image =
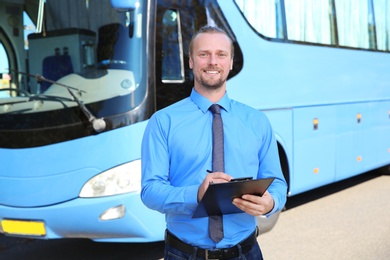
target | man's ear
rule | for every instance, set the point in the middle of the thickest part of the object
(190, 62)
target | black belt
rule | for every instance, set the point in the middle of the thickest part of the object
(224, 253)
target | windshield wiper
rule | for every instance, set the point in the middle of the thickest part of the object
(98, 124)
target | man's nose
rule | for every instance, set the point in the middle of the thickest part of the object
(213, 59)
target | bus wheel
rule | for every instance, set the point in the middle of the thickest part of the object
(266, 224)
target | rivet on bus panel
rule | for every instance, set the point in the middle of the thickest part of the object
(359, 118)
(316, 170)
(359, 158)
(315, 123)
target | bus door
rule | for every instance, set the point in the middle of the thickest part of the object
(176, 23)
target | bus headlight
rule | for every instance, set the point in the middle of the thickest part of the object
(121, 179)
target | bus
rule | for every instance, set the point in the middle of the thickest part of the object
(80, 79)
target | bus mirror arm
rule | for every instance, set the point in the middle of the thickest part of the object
(98, 124)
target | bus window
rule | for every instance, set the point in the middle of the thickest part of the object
(352, 23)
(29, 27)
(3, 59)
(172, 49)
(4, 77)
(310, 21)
(382, 22)
(265, 16)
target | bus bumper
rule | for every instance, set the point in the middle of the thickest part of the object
(81, 218)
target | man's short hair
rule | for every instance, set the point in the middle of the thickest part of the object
(210, 29)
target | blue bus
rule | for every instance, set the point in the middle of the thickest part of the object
(83, 77)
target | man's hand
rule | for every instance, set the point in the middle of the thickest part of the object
(255, 205)
(214, 177)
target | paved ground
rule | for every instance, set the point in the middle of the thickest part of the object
(353, 223)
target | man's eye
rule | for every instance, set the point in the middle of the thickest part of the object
(203, 54)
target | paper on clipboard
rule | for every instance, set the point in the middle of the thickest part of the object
(218, 197)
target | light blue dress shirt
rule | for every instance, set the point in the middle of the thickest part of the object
(176, 154)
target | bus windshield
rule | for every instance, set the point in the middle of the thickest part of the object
(85, 61)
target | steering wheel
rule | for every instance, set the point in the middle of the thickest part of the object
(107, 63)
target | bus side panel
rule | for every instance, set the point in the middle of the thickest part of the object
(363, 139)
(383, 129)
(314, 147)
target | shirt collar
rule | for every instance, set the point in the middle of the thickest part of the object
(203, 103)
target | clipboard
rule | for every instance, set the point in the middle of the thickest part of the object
(218, 197)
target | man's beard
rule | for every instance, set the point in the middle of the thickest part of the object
(211, 84)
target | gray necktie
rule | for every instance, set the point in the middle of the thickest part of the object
(215, 222)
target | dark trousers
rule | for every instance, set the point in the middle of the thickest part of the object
(172, 253)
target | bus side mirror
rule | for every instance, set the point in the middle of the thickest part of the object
(124, 5)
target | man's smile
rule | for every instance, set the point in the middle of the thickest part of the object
(211, 71)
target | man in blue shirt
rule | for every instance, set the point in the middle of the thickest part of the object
(177, 157)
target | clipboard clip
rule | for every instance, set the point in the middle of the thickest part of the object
(241, 179)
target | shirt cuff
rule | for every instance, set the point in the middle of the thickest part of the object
(274, 210)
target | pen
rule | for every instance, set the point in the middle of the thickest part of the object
(209, 172)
